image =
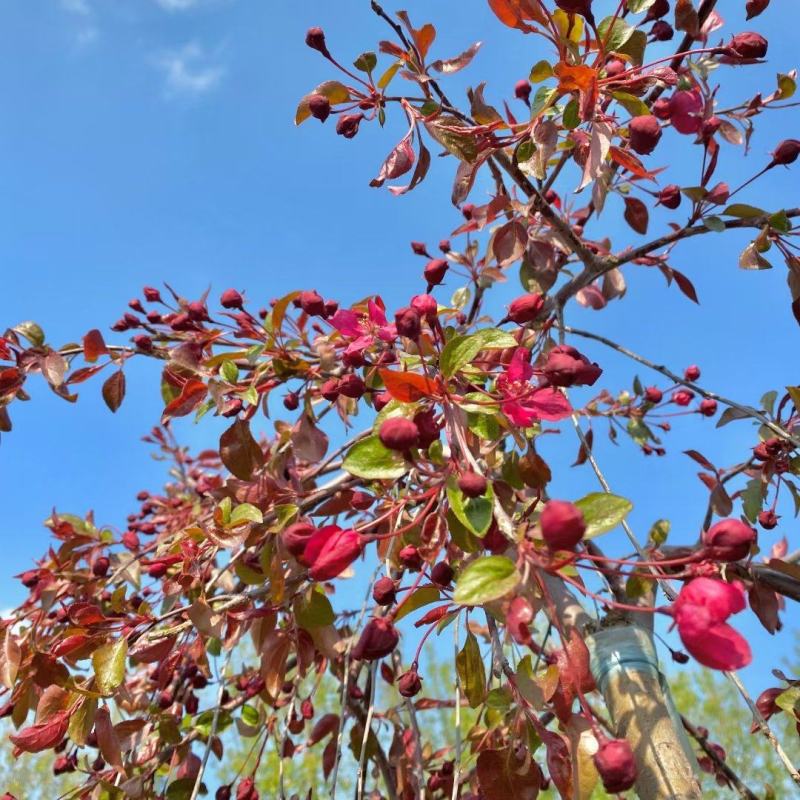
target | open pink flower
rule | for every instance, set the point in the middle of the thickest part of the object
(700, 612)
(524, 403)
(364, 329)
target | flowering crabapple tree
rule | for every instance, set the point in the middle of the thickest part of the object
(126, 657)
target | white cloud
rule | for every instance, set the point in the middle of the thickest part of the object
(175, 5)
(189, 71)
(76, 7)
(85, 31)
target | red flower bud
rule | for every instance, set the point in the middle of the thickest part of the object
(645, 133)
(247, 790)
(100, 566)
(428, 427)
(766, 702)
(409, 683)
(670, 196)
(408, 323)
(472, 484)
(291, 401)
(384, 592)
(768, 519)
(230, 298)
(708, 407)
(522, 90)
(377, 640)
(381, 400)
(352, 386)
(315, 39)
(330, 390)
(319, 106)
(151, 294)
(653, 395)
(719, 194)
(223, 793)
(425, 305)
(525, 308)
(565, 366)
(729, 540)
(562, 525)
(347, 125)
(755, 7)
(614, 67)
(686, 111)
(747, 46)
(785, 153)
(662, 31)
(682, 397)
(361, 501)
(339, 550)
(410, 558)
(444, 245)
(435, 270)
(143, 342)
(312, 304)
(616, 765)
(442, 574)
(296, 536)
(399, 433)
(130, 540)
(661, 108)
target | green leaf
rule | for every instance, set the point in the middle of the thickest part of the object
(637, 6)
(245, 512)
(461, 350)
(542, 99)
(180, 789)
(229, 371)
(486, 579)
(421, 597)
(485, 426)
(779, 221)
(632, 104)
(371, 460)
(471, 671)
(789, 700)
(315, 610)
(659, 532)
(571, 117)
(614, 32)
(714, 224)
(335, 92)
(474, 513)
(366, 62)
(541, 71)
(108, 663)
(32, 332)
(463, 537)
(787, 85)
(744, 211)
(250, 716)
(603, 512)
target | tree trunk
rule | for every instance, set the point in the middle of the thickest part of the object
(625, 667)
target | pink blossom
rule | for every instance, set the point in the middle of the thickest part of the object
(523, 403)
(364, 329)
(700, 612)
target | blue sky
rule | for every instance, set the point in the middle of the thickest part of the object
(146, 141)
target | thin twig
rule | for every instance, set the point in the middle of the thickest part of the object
(744, 410)
(362, 758)
(721, 765)
(457, 757)
(213, 731)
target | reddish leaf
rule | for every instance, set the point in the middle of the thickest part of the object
(629, 162)
(397, 163)
(700, 459)
(83, 374)
(187, 401)
(114, 390)
(765, 604)
(408, 387)
(514, 13)
(451, 65)
(685, 285)
(107, 739)
(93, 345)
(636, 214)
(508, 773)
(36, 738)
(239, 451)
